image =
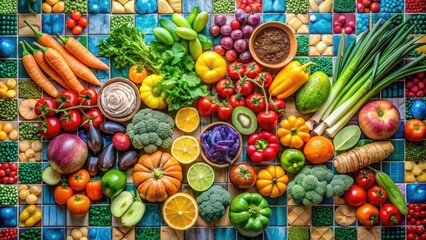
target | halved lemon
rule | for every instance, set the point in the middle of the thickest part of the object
(187, 119)
(180, 211)
(186, 149)
(200, 177)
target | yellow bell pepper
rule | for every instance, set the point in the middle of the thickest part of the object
(293, 132)
(211, 67)
(289, 79)
(30, 216)
(150, 94)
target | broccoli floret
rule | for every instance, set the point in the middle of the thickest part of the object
(164, 130)
(299, 178)
(151, 125)
(167, 142)
(321, 188)
(309, 182)
(158, 142)
(212, 203)
(290, 187)
(153, 136)
(297, 191)
(150, 148)
(306, 170)
(340, 184)
(322, 173)
(313, 197)
(161, 117)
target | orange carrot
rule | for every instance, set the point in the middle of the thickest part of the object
(78, 68)
(82, 53)
(57, 62)
(35, 72)
(39, 57)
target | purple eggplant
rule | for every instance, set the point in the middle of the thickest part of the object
(128, 159)
(107, 158)
(92, 165)
(111, 128)
(94, 139)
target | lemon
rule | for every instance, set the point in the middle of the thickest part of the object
(180, 211)
(3, 136)
(187, 119)
(186, 149)
(200, 177)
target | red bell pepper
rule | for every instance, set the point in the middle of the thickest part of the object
(262, 146)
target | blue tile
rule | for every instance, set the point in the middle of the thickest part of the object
(48, 197)
(282, 200)
(395, 170)
(241, 237)
(123, 72)
(147, 23)
(23, 6)
(279, 216)
(320, 23)
(362, 22)
(8, 47)
(199, 233)
(54, 233)
(276, 233)
(99, 6)
(93, 42)
(22, 73)
(8, 217)
(268, 17)
(398, 153)
(100, 233)
(99, 24)
(336, 41)
(274, 6)
(204, 5)
(54, 216)
(224, 233)
(29, 40)
(53, 23)
(146, 6)
(100, 73)
(151, 218)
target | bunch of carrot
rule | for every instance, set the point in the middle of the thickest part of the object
(63, 63)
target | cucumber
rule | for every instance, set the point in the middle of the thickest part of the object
(185, 44)
(170, 27)
(195, 48)
(206, 42)
(162, 35)
(186, 33)
(394, 194)
(180, 20)
(193, 14)
(200, 21)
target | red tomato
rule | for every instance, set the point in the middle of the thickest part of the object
(67, 99)
(264, 78)
(77, 30)
(121, 141)
(235, 70)
(267, 121)
(76, 15)
(50, 128)
(88, 97)
(355, 196)
(367, 214)
(377, 195)
(96, 117)
(252, 69)
(225, 88)
(389, 215)
(414, 130)
(280, 106)
(71, 23)
(42, 105)
(236, 100)
(206, 106)
(83, 22)
(245, 89)
(256, 102)
(374, 7)
(243, 175)
(235, 24)
(224, 112)
(70, 120)
(365, 178)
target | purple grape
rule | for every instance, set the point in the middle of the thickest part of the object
(240, 45)
(247, 31)
(225, 30)
(220, 20)
(214, 30)
(253, 19)
(240, 15)
(236, 34)
(245, 56)
(227, 42)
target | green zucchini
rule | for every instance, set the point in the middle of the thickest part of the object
(394, 194)
(170, 27)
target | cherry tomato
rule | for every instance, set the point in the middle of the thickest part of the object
(414, 130)
(71, 23)
(267, 120)
(78, 180)
(243, 175)
(41, 106)
(236, 100)
(235, 70)
(224, 112)
(280, 106)
(67, 99)
(355, 196)
(265, 78)
(365, 178)
(50, 128)
(76, 15)
(252, 69)
(121, 141)
(367, 214)
(256, 102)
(235, 24)
(225, 88)
(377, 195)
(206, 106)
(389, 215)
(245, 88)
(2, 173)
(88, 97)
(96, 117)
(62, 193)
(77, 30)
(83, 22)
(13, 166)
(70, 120)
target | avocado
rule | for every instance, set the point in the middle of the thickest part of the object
(244, 120)
(313, 93)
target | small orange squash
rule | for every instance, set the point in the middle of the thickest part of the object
(157, 176)
(272, 181)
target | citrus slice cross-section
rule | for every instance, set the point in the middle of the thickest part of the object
(187, 119)
(186, 149)
(180, 211)
(200, 176)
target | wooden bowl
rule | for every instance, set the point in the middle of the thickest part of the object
(286, 29)
(232, 160)
(138, 99)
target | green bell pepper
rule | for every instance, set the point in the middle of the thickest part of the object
(113, 182)
(249, 214)
(292, 160)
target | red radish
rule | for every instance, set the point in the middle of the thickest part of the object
(411, 94)
(409, 84)
(366, 3)
(235, 24)
(421, 75)
(342, 19)
(420, 94)
(375, 7)
(219, 49)
(348, 30)
(337, 29)
(351, 24)
(337, 23)
(231, 55)
(415, 80)
(414, 89)
(421, 85)
(360, 7)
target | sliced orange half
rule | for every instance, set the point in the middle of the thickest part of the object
(180, 211)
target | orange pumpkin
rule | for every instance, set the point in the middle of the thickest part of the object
(272, 181)
(157, 176)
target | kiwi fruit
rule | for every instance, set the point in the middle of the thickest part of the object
(244, 120)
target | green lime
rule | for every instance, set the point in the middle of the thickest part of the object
(200, 176)
(347, 138)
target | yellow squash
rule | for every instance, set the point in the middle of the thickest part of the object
(293, 132)
(150, 94)
(289, 79)
(272, 181)
(30, 216)
(211, 67)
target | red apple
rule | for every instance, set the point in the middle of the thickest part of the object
(379, 120)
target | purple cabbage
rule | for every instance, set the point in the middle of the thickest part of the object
(220, 144)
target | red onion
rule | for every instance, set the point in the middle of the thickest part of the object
(67, 153)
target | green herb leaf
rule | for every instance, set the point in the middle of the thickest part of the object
(347, 138)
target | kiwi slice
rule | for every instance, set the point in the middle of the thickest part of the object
(244, 120)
